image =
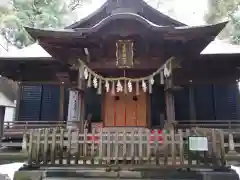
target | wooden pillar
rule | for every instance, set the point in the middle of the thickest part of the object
(81, 113)
(61, 103)
(192, 107)
(169, 96)
(170, 107)
(169, 100)
(19, 94)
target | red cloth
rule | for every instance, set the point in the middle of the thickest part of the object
(159, 136)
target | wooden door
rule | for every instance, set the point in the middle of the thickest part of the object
(125, 110)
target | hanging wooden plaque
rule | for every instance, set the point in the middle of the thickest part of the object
(124, 53)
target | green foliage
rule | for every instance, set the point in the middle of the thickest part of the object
(33, 13)
(226, 9)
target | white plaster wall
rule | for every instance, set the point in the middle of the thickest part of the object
(4, 101)
(9, 114)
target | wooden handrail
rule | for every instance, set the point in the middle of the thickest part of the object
(222, 124)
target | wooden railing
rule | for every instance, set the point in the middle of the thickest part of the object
(68, 146)
(220, 124)
(17, 128)
(59, 146)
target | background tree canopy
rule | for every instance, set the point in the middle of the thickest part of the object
(58, 13)
(34, 13)
(226, 10)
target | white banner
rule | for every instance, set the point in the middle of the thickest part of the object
(74, 106)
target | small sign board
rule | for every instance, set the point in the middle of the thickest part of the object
(198, 143)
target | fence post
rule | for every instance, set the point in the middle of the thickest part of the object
(231, 145)
(45, 156)
(116, 147)
(181, 146)
(38, 146)
(221, 134)
(53, 150)
(100, 151)
(24, 142)
(30, 147)
(69, 145)
(61, 146)
(173, 146)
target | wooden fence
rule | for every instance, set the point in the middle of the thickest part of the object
(137, 146)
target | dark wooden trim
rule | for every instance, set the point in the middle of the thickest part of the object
(103, 105)
(148, 113)
(82, 109)
(192, 107)
(170, 106)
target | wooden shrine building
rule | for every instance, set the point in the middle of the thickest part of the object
(131, 66)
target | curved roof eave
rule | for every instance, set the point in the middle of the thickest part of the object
(95, 13)
(178, 23)
(81, 32)
(105, 5)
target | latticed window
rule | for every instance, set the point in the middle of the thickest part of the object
(124, 53)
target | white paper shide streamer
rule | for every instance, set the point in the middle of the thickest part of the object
(121, 84)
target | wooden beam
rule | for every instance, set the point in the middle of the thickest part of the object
(139, 65)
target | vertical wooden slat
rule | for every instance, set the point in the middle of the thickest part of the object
(116, 147)
(53, 150)
(85, 144)
(61, 146)
(69, 145)
(173, 150)
(93, 146)
(100, 146)
(156, 146)
(124, 138)
(166, 145)
(38, 143)
(24, 142)
(181, 147)
(214, 142)
(132, 146)
(108, 147)
(149, 146)
(189, 152)
(231, 144)
(221, 134)
(140, 144)
(30, 148)
(45, 158)
(77, 155)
